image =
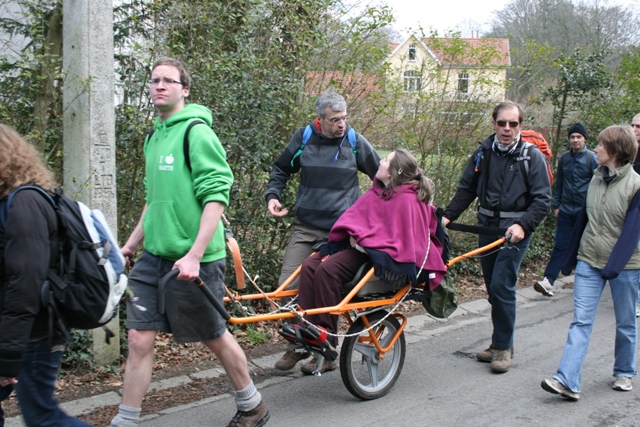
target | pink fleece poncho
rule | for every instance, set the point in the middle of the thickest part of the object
(398, 227)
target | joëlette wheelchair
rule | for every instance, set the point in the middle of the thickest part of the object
(373, 349)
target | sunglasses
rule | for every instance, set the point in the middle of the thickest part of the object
(503, 123)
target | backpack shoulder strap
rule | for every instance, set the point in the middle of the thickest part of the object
(351, 136)
(185, 143)
(305, 138)
(6, 202)
(524, 156)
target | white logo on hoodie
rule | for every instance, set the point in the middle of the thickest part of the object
(168, 160)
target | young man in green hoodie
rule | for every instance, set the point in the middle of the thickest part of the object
(181, 228)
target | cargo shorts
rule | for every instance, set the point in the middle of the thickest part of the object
(189, 315)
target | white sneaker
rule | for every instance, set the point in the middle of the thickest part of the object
(544, 287)
(638, 311)
(622, 384)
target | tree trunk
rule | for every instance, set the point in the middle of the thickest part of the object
(48, 70)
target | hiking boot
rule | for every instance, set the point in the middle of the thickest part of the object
(256, 417)
(556, 387)
(544, 287)
(487, 355)
(290, 358)
(622, 384)
(310, 366)
(501, 360)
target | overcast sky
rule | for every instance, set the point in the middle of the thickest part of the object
(447, 14)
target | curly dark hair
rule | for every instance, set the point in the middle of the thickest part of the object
(21, 164)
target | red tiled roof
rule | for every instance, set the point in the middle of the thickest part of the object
(497, 51)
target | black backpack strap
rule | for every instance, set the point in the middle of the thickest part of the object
(185, 144)
(6, 202)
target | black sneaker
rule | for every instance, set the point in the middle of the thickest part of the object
(318, 340)
(256, 417)
(291, 332)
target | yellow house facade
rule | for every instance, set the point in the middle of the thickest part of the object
(452, 69)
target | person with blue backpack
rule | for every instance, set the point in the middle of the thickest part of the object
(31, 348)
(328, 154)
(181, 229)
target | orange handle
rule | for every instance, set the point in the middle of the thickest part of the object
(237, 262)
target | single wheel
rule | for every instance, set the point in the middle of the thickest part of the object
(363, 373)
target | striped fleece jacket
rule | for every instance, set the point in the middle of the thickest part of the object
(328, 175)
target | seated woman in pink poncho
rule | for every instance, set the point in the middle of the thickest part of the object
(391, 225)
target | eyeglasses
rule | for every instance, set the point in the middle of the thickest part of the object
(335, 120)
(156, 82)
(633, 125)
(503, 123)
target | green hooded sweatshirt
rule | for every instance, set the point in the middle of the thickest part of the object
(176, 196)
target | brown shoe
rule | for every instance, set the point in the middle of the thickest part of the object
(256, 417)
(487, 354)
(501, 360)
(309, 367)
(289, 359)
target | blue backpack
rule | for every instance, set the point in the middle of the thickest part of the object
(351, 136)
(84, 288)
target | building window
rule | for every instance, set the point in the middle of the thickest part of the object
(463, 83)
(412, 53)
(412, 80)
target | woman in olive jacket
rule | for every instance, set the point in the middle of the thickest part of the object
(604, 248)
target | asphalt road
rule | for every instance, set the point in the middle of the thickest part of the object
(442, 384)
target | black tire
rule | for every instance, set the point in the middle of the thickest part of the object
(363, 374)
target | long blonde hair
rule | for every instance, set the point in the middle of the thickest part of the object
(403, 169)
(20, 163)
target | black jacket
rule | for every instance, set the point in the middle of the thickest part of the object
(28, 246)
(575, 171)
(520, 192)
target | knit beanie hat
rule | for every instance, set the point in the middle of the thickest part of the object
(578, 128)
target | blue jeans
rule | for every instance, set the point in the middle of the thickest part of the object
(36, 383)
(500, 271)
(586, 297)
(564, 227)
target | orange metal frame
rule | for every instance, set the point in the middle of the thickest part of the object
(345, 306)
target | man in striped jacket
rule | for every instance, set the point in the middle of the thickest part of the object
(328, 165)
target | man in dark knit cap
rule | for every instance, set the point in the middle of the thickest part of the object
(575, 169)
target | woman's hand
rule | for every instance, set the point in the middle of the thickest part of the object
(5, 381)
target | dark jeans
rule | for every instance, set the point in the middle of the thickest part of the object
(500, 271)
(4, 393)
(36, 384)
(564, 228)
(321, 284)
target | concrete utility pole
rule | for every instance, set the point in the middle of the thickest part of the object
(89, 122)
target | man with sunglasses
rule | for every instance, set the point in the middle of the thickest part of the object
(328, 167)
(509, 197)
